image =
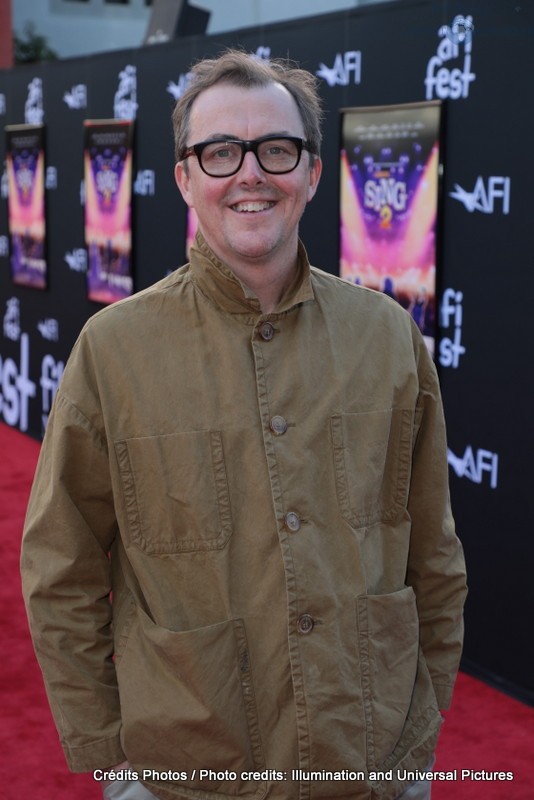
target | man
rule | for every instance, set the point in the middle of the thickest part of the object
(250, 458)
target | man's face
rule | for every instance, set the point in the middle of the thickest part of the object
(267, 231)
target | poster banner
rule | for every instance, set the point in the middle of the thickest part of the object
(25, 167)
(191, 230)
(389, 177)
(108, 208)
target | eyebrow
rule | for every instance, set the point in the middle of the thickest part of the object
(274, 134)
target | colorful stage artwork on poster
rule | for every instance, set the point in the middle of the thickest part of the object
(389, 179)
(108, 209)
(25, 167)
(191, 230)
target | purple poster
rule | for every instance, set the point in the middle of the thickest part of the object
(389, 205)
(26, 204)
(108, 200)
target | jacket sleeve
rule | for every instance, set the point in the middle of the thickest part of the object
(70, 525)
(436, 567)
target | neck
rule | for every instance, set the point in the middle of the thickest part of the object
(268, 276)
(268, 282)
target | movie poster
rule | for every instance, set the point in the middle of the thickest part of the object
(389, 176)
(108, 209)
(191, 231)
(25, 169)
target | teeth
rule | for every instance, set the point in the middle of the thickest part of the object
(252, 206)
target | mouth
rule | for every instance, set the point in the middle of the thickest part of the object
(252, 207)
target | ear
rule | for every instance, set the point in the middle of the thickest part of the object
(314, 173)
(183, 181)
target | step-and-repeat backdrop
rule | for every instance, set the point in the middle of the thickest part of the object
(477, 58)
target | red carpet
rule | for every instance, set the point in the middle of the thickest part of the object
(485, 731)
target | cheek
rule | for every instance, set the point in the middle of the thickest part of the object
(303, 191)
(197, 200)
(209, 196)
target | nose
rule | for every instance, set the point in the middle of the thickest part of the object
(251, 171)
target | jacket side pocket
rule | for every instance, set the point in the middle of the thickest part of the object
(388, 638)
(187, 702)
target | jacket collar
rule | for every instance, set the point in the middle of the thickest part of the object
(218, 283)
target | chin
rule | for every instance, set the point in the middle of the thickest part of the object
(253, 250)
(255, 254)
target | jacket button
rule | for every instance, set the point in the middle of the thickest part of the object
(292, 521)
(278, 425)
(267, 331)
(305, 624)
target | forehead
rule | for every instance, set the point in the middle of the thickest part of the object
(244, 113)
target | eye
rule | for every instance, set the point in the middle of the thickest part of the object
(277, 150)
(221, 151)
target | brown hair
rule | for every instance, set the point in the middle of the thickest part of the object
(238, 68)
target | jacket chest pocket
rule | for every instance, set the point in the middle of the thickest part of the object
(372, 462)
(175, 491)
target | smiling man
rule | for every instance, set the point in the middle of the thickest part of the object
(239, 561)
(249, 215)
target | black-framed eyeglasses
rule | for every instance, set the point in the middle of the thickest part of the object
(220, 158)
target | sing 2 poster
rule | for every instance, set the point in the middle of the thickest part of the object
(108, 209)
(25, 167)
(389, 194)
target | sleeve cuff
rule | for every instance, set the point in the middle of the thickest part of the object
(97, 755)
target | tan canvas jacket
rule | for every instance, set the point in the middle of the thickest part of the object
(266, 498)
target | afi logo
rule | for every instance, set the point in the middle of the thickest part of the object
(51, 374)
(177, 89)
(461, 30)
(263, 53)
(125, 102)
(473, 465)
(450, 83)
(49, 329)
(77, 97)
(77, 260)
(145, 182)
(345, 65)
(482, 198)
(51, 178)
(451, 312)
(16, 387)
(33, 108)
(12, 319)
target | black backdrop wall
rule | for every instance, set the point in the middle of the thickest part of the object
(379, 54)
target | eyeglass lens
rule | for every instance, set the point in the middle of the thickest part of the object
(274, 155)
